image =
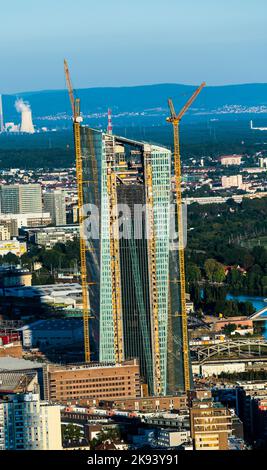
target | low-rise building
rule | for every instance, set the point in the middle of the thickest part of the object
(243, 324)
(14, 276)
(49, 236)
(52, 332)
(233, 181)
(12, 246)
(4, 233)
(14, 222)
(172, 438)
(13, 349)
(63, 295)
(96, 380)
(149, 404)
(231, 159)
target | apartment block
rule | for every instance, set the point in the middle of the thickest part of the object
(210, 427)
(29, 424)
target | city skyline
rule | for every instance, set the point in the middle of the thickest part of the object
(183, 43)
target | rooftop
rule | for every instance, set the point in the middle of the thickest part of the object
(15, 382)
(230, 156)
(54, 324)
(13, 364)
(53, 290)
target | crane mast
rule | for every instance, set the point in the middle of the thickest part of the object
(175, 120)
(69, 86)
(75, 104)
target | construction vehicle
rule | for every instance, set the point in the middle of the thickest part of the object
(77, 119)
(175, 120)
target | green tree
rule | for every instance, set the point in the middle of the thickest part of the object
(10, 258)
(70, 432)
(193, 273)
(228, 329)
(214, 270)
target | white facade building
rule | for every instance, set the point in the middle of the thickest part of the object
(231, 159)
(27, 423)
(232, 181)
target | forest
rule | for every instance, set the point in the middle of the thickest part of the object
(217, 260)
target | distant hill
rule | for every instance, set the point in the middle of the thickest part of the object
(139, 99)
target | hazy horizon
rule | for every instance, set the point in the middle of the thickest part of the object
(118, 43)
(21, 92)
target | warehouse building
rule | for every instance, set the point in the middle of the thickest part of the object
(52, 332)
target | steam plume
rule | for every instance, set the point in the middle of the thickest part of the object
(21, 106)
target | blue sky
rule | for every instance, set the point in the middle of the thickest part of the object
(131, 42)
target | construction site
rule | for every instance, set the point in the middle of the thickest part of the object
(133, 277)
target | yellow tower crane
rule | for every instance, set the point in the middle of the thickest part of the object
(75, 105)
(175, 120)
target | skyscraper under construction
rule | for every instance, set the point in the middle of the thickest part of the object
(133, 265)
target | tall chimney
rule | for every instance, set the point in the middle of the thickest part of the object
(2, 127)
(109, 122)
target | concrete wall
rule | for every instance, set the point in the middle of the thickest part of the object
(209, 369)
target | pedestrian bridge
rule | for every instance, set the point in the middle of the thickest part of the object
(260, 313)
(231, 348)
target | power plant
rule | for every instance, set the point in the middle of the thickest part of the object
(133, 286)
(26, 116)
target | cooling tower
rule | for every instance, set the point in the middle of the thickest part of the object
(26, 122)
(26, 116)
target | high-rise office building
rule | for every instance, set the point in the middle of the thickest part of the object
(55, 204)
(21, 198)
(132, 267)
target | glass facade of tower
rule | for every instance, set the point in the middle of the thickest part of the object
(135, 283)
(161, 168)
(92, 150)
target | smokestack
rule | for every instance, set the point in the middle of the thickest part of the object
(109, 122)
(26, 116)
(2, 127)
